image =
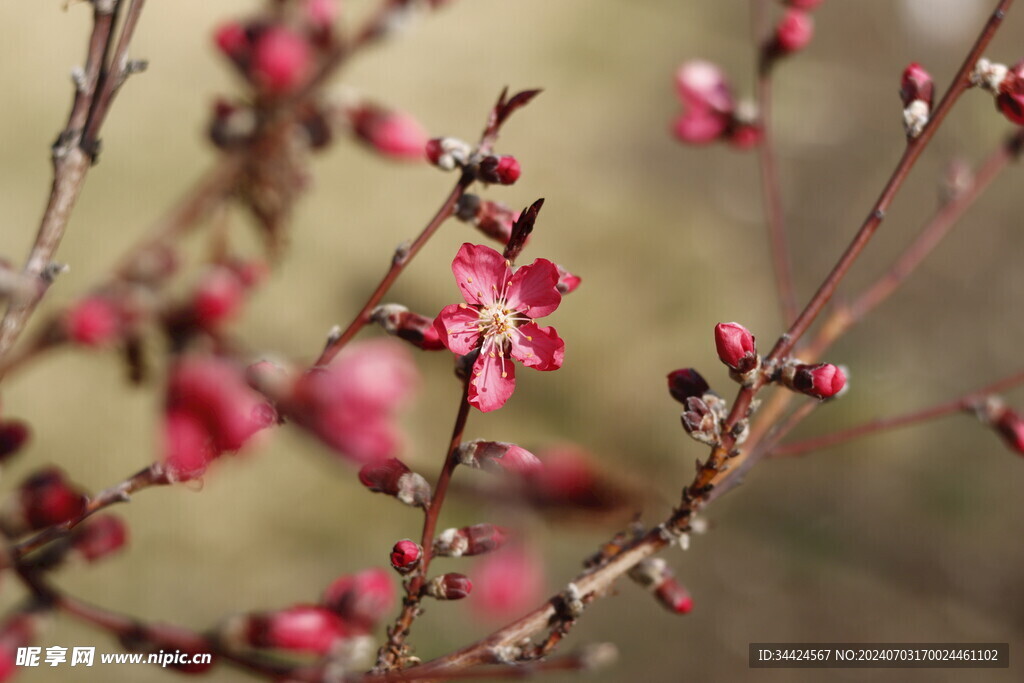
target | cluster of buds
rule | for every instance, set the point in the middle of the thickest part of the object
(994, 412)
(469, 540)
(735, 346)
(210, 410)
(391, 477)
(498, 455)
(391, 133)
(704, 411)
(449, 153)
(655, 575)
(819, 380)
(449, 587)
(44, 499)
(710, 112)
(406, 556)
(399, 321)
(351, 404)
(794, 31)
(917, 91)
(1006, 84)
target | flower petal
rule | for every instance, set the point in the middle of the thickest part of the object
(538, 347)
(456, 325)
(481, 273)
(494, 380)
(534, 289)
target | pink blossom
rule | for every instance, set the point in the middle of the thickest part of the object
(702, 85)
(93, 321)
(507, 583)
(794, 31)
(498, 319)
(281, 60)
(392, 133)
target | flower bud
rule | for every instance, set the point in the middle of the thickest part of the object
(702, 85)
(686, 383)
(567, 282)
(399, 321)
(320, 14)
(794, 32)
(449, 587)
(47, 498)
(303, 628)
(448, 153)
(1010, 96)
(916, 84)
(699, 126)
(821, 380)
(498, 454)
(507, 583)
(391, 133)
(735, 346)
(218, 297)
(281, 61)
(1010, 427)
(655, 575)
(805, 5)
(188, 448)
(100, 536)
(674, 596)
(393, 478)
(232, 40)
(13, 436)
(405, 556)
(362, 599)
(93, 321)
(503, 170)
(700, 422)
(470, 540)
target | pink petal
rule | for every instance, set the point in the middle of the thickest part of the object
(456, 325)
(494, 380)
(699, 126)
(538, 347)
(534, 289)
(480, 272)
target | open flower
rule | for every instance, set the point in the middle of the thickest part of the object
(498, 319)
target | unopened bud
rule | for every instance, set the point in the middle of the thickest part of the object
(916, 84)
(686, 383)
(13, 435)
(363, 598)
(405, 556)
(506, 456)
(399, 321)
(393, 478)
(449, 587)
(821, 380)
(793, 32)
(470, 540)
(47, 498)
(93, 321)
(1010, 97)
(503, 170)
(99, 537)
(673, 596)
(735, 346)
(567, 282)
(448, 153)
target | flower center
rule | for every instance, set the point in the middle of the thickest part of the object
(496, 322)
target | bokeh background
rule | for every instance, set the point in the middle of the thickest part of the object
(910, 536)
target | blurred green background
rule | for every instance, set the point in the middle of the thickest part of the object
(911, 536)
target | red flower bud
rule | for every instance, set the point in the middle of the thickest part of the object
(434, 150)
(505, 456)
(822, 380)
(470, 540)
(188, 447)
(1010, 99)
(303, 628)
(362, 599)
(674, 596)
(218, 297)
(93, 321)
(793, 32)
(699, 126)
(232, 40)
(745, 135)
(414, 328)
(567, 282)
(916, 84)
(48, 498)
(391, 133)
(735, 345)
(405, 556)
(393, 478)
(449, 587)
(13, 435)
(503, 170)
(100, 537)
(702, 86)
(1011, 428)
(281, 61)
(686, 383)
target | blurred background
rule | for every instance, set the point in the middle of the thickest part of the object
(910, 536)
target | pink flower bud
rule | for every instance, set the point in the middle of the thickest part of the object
(1010, 427)
(414, 328)
(391, 133)
(507, 583)
(916, 84)
(188, 447)
(1010, 99)
(100, 536)
(13, 435)
(93, 321)
(794, 32)
(822, 380)
(745, 136)
(218, 297)
(393, 478)
(686, 383)
(498, 455)
(449, 587)
(493, 219)
(503, 170)
(702, 86)
(405, 556)
(567, 282)
(303, 628)
(362, 599)
(470, 540)
(674, 596)
(735, 346)
(435, 150)
(47, 498)
(321, 14)
(232, 40)
(699, 126)
(281, 61)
